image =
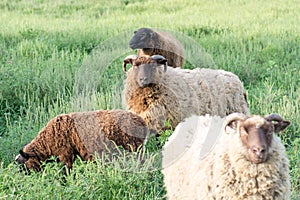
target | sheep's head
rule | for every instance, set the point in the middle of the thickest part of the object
(147, 69)
(256, 133)
(27, 161)
(143, 39)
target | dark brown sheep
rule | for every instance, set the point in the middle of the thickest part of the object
(84, 134)
(150, 42)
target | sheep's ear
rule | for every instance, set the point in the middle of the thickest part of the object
(23, 154)
(279, 123)
(280, 126)
(129, 59)
(160, 60)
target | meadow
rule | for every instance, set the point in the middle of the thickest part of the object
(62, 56)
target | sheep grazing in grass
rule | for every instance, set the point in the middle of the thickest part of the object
(236, 158)
(150, 42)
(158, 93)
(84, 134)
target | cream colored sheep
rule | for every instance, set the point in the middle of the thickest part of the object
(158, 93)
(236, 158)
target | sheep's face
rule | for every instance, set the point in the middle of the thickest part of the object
(256, 134)
(21, 158)
(147, 70)
(143, 39)
(146, 74)
(27, 162)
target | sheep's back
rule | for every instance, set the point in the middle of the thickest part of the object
(97, 130)
(206, 91)
(166, 45)
(124, 128)
(171, 44)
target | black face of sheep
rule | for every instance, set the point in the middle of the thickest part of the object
(24, 161)
(142, 39)
(21, 158)
(256, 134)
(145, 68)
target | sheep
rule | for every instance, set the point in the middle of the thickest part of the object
(84, 134)
(244, 160)
(150, 42)
(159, 93)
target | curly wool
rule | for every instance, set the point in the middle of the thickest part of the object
(85, 134)
(226, 173)
(179, 93)
(123, 128)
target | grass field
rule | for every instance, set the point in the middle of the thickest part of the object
(65, 55)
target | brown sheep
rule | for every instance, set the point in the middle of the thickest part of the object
(150, 42)
(84, 134)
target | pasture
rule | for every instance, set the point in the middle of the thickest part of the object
(62, 56)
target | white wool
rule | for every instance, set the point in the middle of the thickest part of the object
(210, 163)
(181, 93)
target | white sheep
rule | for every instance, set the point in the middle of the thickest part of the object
(84, 134)
(236, 158)
(158, 93)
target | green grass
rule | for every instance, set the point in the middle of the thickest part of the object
(62, 56)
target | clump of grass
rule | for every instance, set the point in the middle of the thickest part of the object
(120, 178)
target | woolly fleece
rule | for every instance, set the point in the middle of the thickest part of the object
(223, 173)
(178, 93)
(84, 134)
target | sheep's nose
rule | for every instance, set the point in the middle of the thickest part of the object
(259, 151)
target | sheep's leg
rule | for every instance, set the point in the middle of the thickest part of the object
(80, 149)
(67, 159)
(65, 171)
(85, 155)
